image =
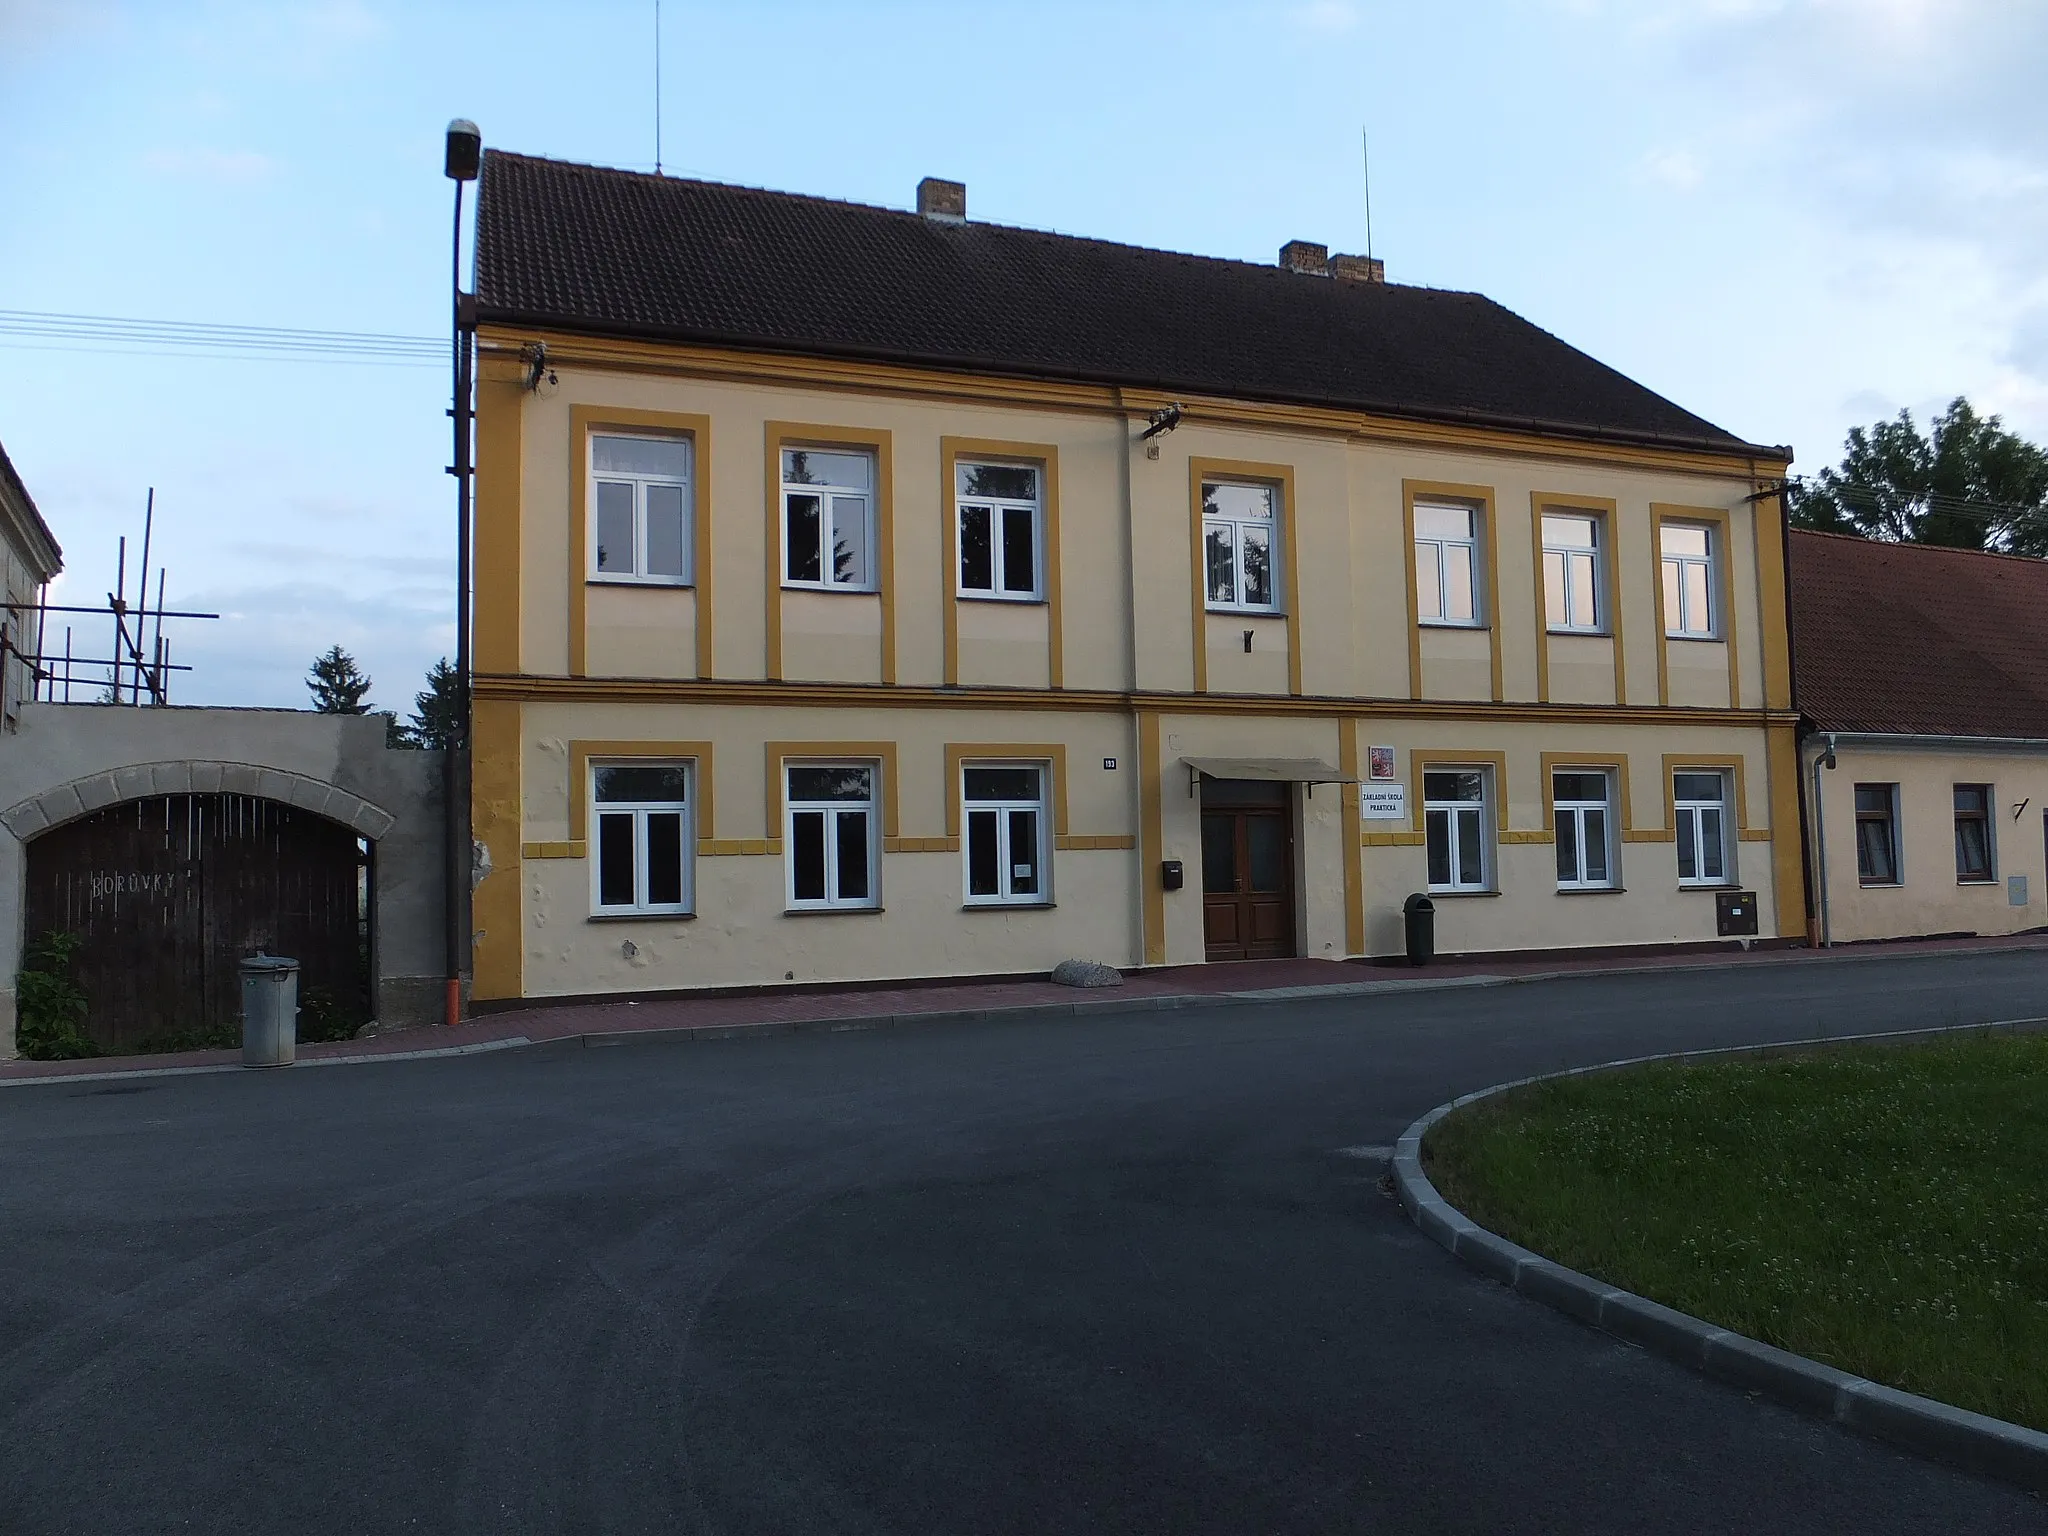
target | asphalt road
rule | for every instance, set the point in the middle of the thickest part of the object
(1088, 1276)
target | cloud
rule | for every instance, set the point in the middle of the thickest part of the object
(1679, 169)
(1326, 15)
(217, 165)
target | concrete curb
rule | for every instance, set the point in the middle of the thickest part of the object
(1922, 1425)
(473, 1048)
(1024, 1013)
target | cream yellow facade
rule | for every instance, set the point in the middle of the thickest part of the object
(1110, 681)
(1929, 886)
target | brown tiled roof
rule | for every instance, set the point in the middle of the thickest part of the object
(609, 252)
(1917, 639)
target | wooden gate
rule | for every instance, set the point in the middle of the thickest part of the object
(169, 893)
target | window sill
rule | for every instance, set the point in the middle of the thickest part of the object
(1581, 634)
(835, 588)
(1024, 599)
(1436, 895)
(1450, 624)
(832, 911)
(1237, 612)
(1988, 884)
(1007, 906)
(1592, 890)
(666, 582)
(641, 917)
(1696, 639)
(1708, 887)
(1880, 885)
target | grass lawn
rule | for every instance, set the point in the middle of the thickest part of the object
(1881, 1208)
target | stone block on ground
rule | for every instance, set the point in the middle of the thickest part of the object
(1086, 973)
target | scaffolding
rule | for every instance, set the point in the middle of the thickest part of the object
(139, 667)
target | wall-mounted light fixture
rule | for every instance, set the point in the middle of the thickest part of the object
(1163, 420)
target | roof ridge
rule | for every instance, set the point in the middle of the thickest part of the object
(851, 205)
(1915, 544)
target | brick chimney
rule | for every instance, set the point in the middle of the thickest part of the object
(1358, 269)
(1306, 256)
(945, 200)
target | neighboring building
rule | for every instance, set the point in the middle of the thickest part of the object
(29, 561)
(870, 594)
(1923, 680)
(171, 842)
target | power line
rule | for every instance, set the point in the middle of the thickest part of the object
(181, 338)
(1940, 502)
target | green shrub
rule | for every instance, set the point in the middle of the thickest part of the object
(49, 1006)
(323, 1019)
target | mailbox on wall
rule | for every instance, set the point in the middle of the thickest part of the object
(1735, 914)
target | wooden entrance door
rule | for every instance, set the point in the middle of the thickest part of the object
(1247, 870)
(168, 894)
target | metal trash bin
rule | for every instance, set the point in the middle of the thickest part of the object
(270, 1010)
(1418, 913)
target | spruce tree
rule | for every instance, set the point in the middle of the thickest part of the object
(337, 684)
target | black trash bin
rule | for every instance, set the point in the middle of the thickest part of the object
(1419, 912)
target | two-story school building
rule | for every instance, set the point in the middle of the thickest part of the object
(865, 593)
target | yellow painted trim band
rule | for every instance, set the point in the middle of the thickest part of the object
(1047, 457)
(1152, 831)
(1353, 831)
(879, 441)
(1724, 562)
(581, 752)
(567, 348)
(497, 910)
(1609, 512)
(571, 850)
(584, 420)
(1481, 499)
(883, 752)
(498, 513)
(869, 696)
(1281, 477)
(959, 753)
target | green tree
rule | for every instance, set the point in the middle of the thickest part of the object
(337, 684)
(437, 713)
(1968, 483)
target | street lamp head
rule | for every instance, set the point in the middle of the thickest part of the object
(465, 150)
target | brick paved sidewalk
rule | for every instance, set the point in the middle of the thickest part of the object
(874, 1007)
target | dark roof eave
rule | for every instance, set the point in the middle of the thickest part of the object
(1729, 446)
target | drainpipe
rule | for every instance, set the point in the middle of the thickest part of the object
(1826, 759)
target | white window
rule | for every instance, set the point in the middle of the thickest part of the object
(1688, 553)
(1005, 842)
(646, 843)
(1238, 534)
(828, 519)
(1571, 572)
(999, 530)
(1701, 801)
(642, 528)
(1446, 565)
(1585, 830)
(1877, 834)
(1454, 821)
(829, 832)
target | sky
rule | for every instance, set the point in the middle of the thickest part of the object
(1790, 216)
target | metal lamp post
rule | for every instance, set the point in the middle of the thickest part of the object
(464, 159)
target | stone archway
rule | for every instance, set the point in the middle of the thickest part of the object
(168, 874)
(138, 781)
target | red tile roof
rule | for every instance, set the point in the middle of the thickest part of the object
(1917, 639)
